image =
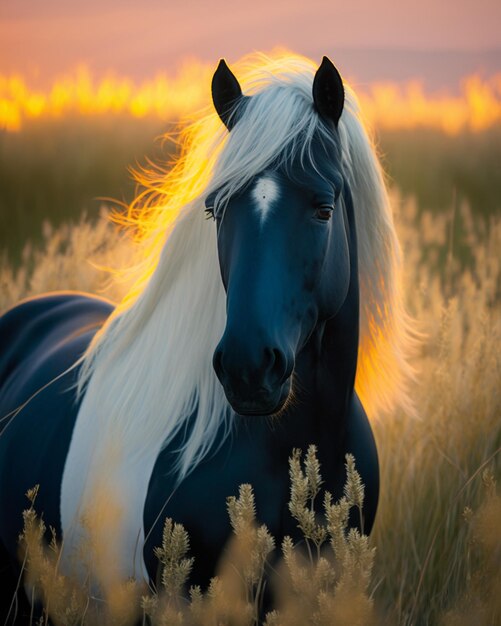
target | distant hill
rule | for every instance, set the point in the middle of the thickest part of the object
(435, 68)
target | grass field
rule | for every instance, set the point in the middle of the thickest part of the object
(438, 530)
(54, 169)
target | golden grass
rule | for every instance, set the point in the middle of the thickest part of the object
(431, 467)
(330, 585)
(438, 530)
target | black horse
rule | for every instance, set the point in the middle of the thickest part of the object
(241, 345)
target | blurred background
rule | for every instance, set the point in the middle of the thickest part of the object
(86, 88)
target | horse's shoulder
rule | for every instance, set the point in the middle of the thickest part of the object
(55, 307)
(39, 302)
(37, 323)
(30, 308)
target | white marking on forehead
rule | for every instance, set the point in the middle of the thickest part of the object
(264, 194)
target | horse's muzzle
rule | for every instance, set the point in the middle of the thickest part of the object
(261, 402)
(253, 386)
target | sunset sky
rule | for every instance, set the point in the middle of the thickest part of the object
(437, 42)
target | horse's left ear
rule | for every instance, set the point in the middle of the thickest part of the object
(328, 91)
(226, 94)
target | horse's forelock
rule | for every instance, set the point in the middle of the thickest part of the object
(292, 136)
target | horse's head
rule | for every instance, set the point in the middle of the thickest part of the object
(283, 254)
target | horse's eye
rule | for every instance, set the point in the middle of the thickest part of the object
(324, 212)
(209, 206)
(209, 213)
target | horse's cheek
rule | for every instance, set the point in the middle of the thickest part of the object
(311, 275)
(314, 265)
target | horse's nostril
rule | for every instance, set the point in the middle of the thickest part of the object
(244, 369)
(269, 358)
(277, 364)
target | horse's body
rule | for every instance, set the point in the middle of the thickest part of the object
(150, 427)
(255, 453)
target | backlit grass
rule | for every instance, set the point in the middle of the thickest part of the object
(53, 169)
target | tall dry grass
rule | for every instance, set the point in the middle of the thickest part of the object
(431, 467)
(438, 529)
(323, 584)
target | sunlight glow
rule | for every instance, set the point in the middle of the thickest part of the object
(385, 104)
(388, 105)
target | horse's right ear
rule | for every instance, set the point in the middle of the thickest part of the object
(226, 94)
(328, 91)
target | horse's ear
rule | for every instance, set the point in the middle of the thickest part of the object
(328, 91)
(226, 94)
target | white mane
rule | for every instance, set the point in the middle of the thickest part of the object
(150, 367)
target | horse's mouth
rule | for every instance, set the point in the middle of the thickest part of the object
(261, 403)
